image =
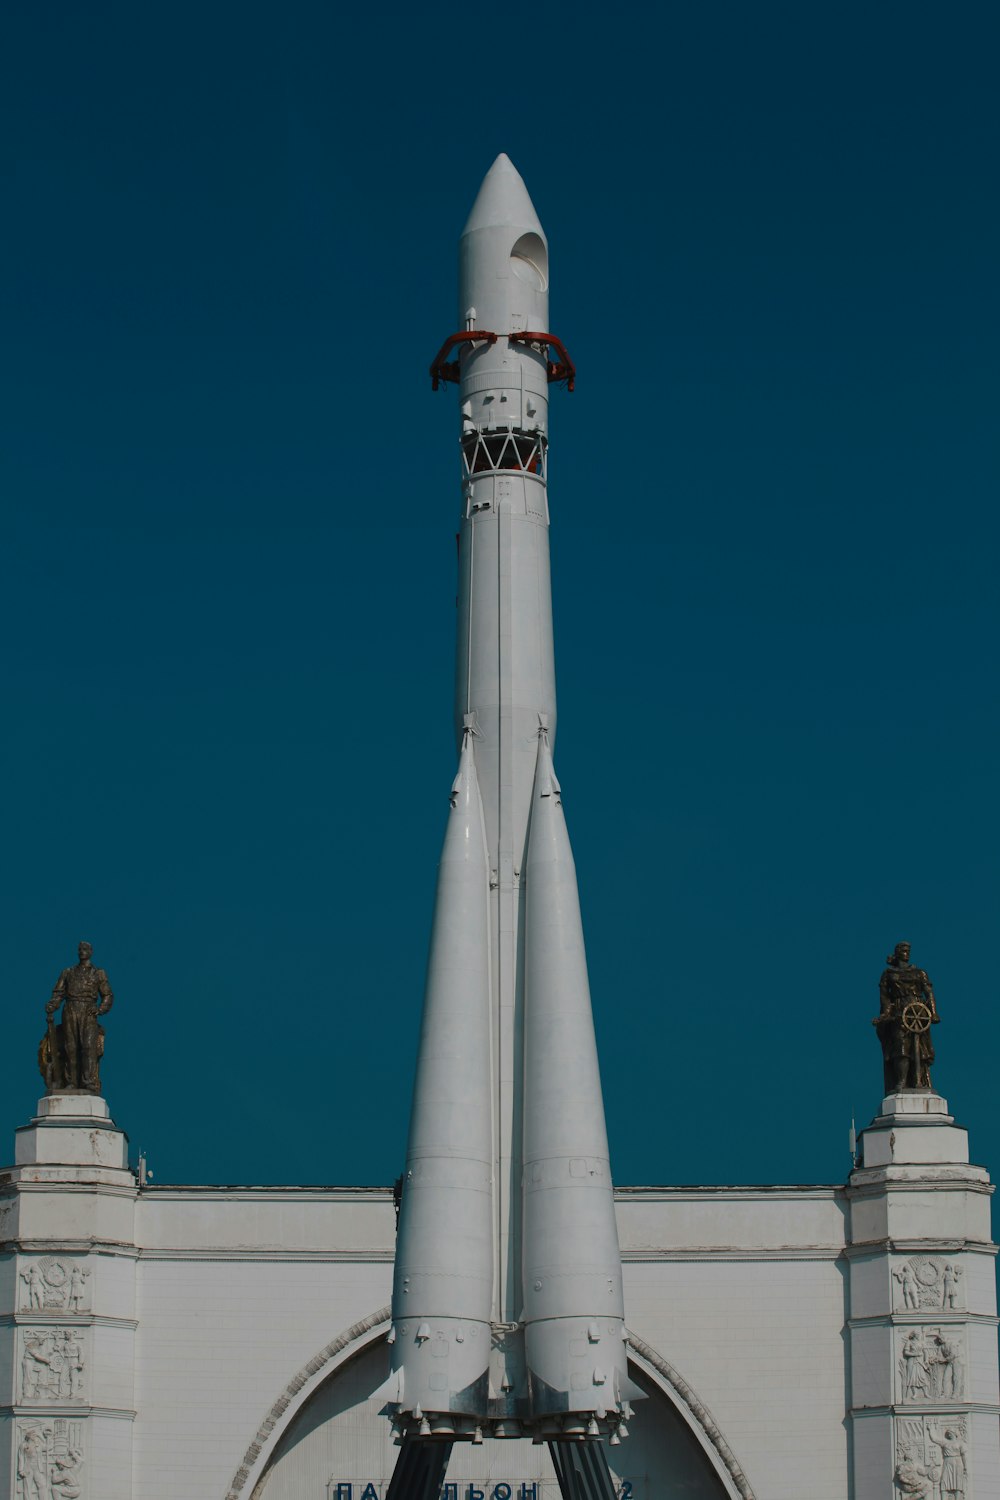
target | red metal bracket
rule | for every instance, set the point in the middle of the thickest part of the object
(562, 368)
(445, 369)
(442, 368)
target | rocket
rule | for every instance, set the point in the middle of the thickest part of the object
(507, 1309)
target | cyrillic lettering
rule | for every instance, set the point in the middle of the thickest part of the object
(344, 1491)
(474, 1494)
(369, 1492)
(528, 1492)
(502, 1492)
(450, 1492)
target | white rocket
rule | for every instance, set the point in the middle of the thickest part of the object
(507, 1299)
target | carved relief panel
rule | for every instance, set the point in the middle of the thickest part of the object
(931, 1458)
(931, 1363)
(52, 1365)
(49, 1462)
(927, 1283)
(54, 1284)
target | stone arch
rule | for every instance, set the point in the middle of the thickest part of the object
(700, 1419)
(359, 1343)
(297, 1393)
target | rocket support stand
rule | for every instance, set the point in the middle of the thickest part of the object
(581, 1468)
(420, 1470)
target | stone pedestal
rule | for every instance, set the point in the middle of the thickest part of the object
(922, 1305)
(913, 1128)
(67, 1304)
(72, 1130)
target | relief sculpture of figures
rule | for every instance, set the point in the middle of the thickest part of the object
(925, 1283)
(913, 1480)
(73, 1355)
(907, 1011)
(77, 1287)
(951, 1286)
(931, 1366)
(948, 1378)
(50, 1461)
(33, 1465)
(36, 1369)
(953, 1472)
(52, 1365)
(65, 1479)
(909, 1286)
(54, 1285)
(35, 1286)
(69, 1053)
(914, 1369)
(930, 1462)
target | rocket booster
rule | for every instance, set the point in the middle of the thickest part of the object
(507, 1299)
(571, 1267)
(443, 1281)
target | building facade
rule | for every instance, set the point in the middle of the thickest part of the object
(836, 1342)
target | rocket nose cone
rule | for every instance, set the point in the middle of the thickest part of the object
(503, 200)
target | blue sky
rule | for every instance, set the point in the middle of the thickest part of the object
(230, 500)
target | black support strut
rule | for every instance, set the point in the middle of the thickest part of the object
(582, 1471)
(420, 1469)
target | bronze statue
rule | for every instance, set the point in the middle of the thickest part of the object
(907, 1011)
(69, 1054)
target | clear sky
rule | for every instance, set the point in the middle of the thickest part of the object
(229, 507)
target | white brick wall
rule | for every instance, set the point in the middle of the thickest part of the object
(227, 1294)
(218, 1342)
(761, 1342)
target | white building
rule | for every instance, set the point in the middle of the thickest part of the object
(200, 1343)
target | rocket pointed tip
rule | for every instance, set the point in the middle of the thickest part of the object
(503, 200)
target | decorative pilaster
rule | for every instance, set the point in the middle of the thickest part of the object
(924, 1398)
(67, 1306)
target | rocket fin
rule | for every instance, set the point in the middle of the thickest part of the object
(443, 1280)
(571, 1264)
(391, 1389)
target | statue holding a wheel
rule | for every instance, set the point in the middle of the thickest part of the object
(907, 1011)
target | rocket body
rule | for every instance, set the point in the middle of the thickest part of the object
(507, 1302)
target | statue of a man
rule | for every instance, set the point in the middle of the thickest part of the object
(84, 994)
(907, 1011)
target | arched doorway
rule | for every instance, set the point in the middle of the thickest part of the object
(339, 1439)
